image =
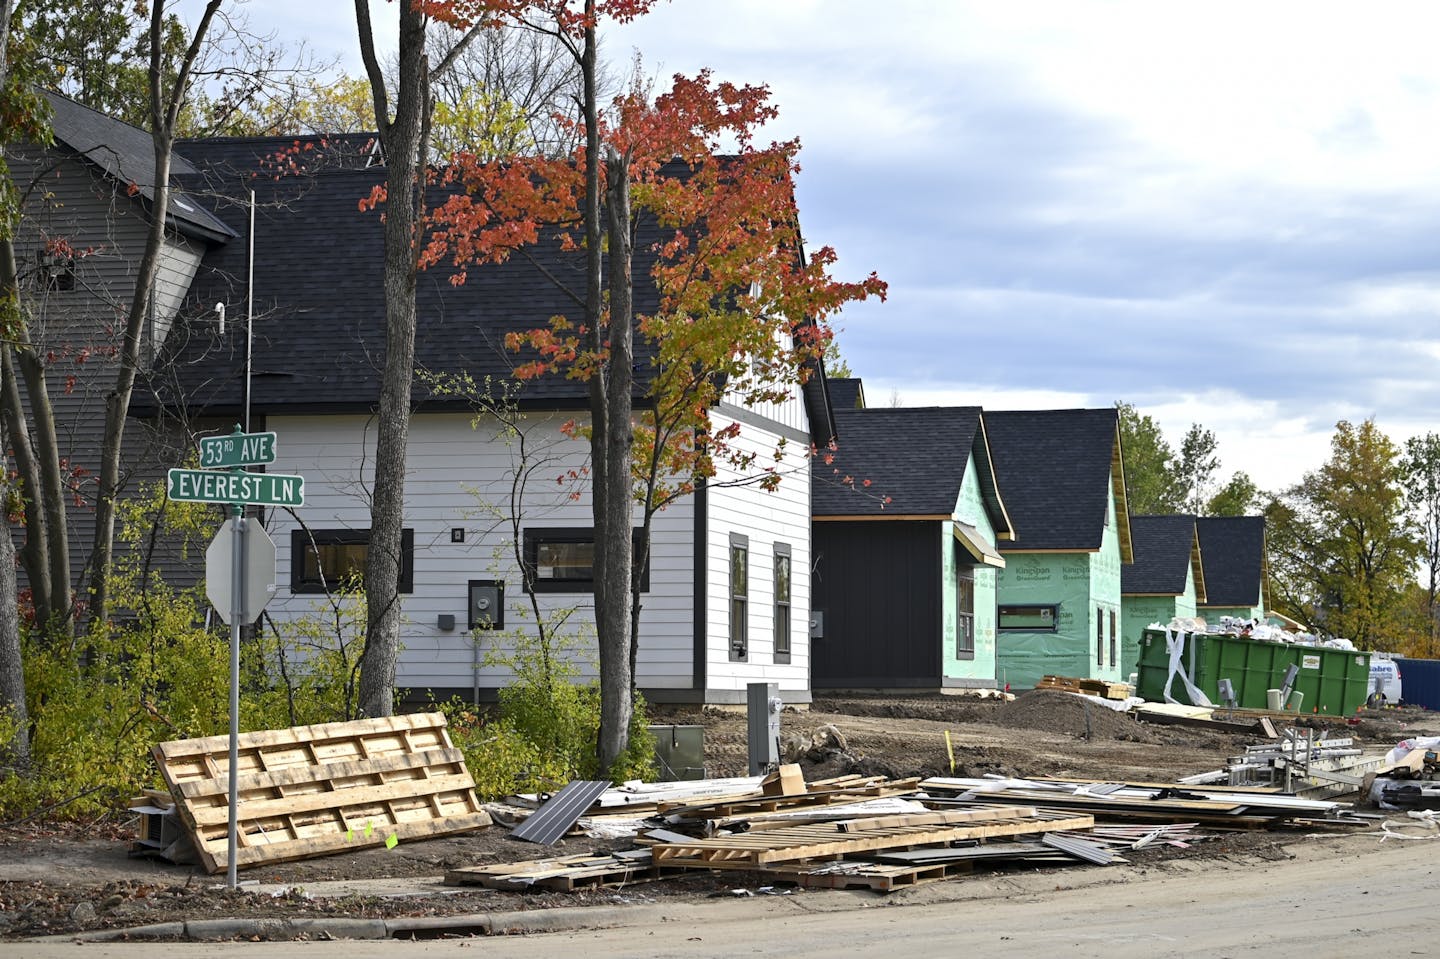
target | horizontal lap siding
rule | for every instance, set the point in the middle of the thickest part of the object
(79, 330)
(461, 477)
(766, 518)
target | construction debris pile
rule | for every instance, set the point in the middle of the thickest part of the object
(319, 790)
(881, 834)
(1409, 776)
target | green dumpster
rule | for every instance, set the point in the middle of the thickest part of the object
(1333, 680)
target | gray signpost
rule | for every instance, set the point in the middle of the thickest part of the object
(232, 563)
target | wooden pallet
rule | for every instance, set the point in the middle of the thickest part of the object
(1092, 687)
(823, 840)
(315, 790)
(566, 873)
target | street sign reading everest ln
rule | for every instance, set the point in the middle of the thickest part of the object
(264, 489)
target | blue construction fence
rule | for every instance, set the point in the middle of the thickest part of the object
(1420, 681)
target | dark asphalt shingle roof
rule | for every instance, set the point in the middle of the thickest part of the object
(1053, 467)
(914, 455)
(319, 299)
(846, 393)
(1163, 546)
(1232, 554)
(127, 155)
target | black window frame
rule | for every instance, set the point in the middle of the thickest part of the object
(965, 613)
(783, 608)
(739, 618)
(300, 543)
(1100, 636)
(1054, 618)
(1114, 640)
(534, 536)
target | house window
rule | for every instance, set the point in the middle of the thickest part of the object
(1028, 619)
(323, 560)
(1114, 642)
(739, 596)
(782, 602)
(965, 613)
(56, 271)
(1099, 636)
(562, 560)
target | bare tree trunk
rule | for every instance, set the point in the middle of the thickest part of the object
(401, 138)
(12, 668)
(165, 106)
(614, 551)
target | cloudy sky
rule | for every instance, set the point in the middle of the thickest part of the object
(1222, 212)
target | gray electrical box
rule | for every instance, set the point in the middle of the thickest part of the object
(679, 752)
(817, 624)
(763, 705)
(487, 604)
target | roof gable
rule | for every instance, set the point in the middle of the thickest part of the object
(1058, 470)
(126, 154)
(1166, 548)
(916, 456)
(1232, 551)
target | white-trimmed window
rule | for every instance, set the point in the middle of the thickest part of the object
(782, 602)
(739, 597)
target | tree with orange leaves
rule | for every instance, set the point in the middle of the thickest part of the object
(741, 312)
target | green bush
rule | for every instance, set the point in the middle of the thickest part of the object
(544, 731)
(99, 703)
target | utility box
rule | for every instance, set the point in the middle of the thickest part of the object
(679, 752)
(763, 711)
(1333, 681)
(487, 604)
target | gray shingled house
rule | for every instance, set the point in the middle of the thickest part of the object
(726, 591)
(1063, 474)
(1166, 580)
(87, 211)
(905, 551)
(1233, 551)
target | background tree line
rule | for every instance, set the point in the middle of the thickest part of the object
(1353, 547)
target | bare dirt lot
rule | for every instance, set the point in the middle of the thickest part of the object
(67, 878)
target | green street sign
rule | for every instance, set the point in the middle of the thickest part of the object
(237, 449)
(264, 489)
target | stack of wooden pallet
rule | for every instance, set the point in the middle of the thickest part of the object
(314, 790)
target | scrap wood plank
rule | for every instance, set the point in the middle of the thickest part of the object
(815, 841)
(938, 818)
(740, 806)
(565, 873)
(327, 788)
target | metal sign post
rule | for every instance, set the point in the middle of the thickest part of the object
(237, 600)
(236, 487)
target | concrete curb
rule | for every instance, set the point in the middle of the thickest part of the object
(520, 922)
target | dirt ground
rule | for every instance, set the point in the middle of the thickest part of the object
(58, 878)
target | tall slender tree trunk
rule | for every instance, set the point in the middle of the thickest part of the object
(16, 752)
(402, 141)
(165, 106)
(614, 552)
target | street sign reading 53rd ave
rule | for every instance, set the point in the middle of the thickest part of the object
(237, 449)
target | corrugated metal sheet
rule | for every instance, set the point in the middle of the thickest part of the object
(557, 816)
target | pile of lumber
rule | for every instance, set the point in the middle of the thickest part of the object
(1087, 686)
(1222, 807)
(846, 832)
(314, 790)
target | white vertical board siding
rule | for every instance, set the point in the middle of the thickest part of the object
(766, 518)
(459, 477)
